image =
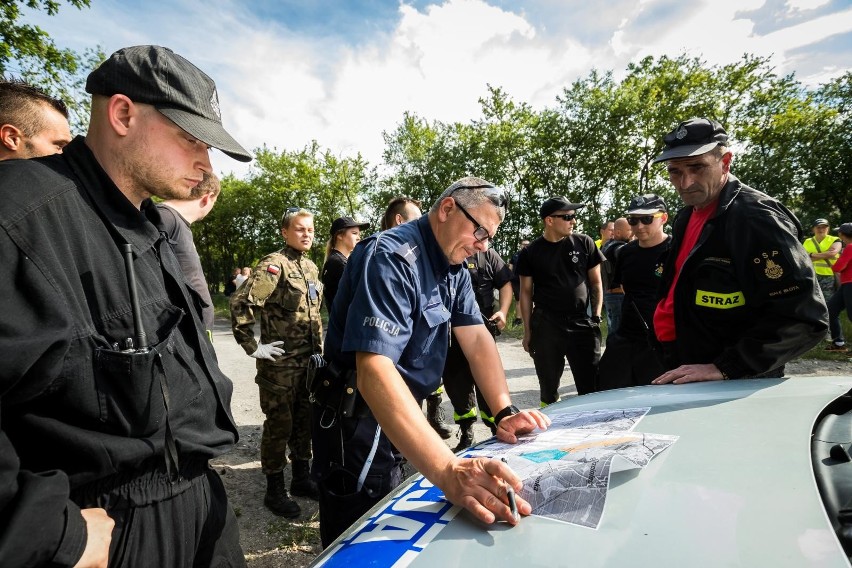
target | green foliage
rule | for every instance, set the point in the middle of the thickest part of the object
(244, 225)
(29, 52)
(594, 145)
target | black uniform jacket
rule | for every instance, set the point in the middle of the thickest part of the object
(746, 299)
(75, 411)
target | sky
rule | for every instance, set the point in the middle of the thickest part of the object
(342, 72)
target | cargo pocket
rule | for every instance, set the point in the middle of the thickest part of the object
(135, 387)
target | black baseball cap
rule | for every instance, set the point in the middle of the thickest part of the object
(845, 228)
(820, 221)
(692, 137)
(157, 76)
(646, 204)
(558, 203)
(345, 223)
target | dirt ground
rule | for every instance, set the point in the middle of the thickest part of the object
(270, 541)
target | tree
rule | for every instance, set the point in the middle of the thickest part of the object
(29, 52)
(828, 161)
(245, 223)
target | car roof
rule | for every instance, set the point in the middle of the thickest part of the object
(736, 489)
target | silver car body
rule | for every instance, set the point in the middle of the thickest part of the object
(736, 489)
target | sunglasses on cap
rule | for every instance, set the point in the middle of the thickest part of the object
(565, 217)
(496, 195)
(644, 219)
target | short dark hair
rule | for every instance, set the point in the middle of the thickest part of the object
(397, 207)
(210, 184)
(20, 105)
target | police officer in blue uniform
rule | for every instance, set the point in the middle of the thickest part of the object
(402, 290)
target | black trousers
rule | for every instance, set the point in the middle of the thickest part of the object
(628, 362)
(461, 388)
(341, 449)
(165, 523)
(555, 338)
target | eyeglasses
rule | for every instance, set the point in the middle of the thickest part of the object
(480, 233)
(644, 219)
(565, 217)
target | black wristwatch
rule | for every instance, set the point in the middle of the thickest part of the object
(510, 410)
(596, 319)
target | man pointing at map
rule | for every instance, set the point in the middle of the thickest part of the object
(388, 335)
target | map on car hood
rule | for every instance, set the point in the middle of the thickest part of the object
(566, 469)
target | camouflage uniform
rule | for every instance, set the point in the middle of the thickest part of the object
(285, 288)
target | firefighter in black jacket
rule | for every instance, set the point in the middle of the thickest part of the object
(739, 296)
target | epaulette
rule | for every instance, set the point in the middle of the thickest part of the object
(407, 253)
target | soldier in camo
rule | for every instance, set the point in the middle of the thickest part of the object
(284, 289)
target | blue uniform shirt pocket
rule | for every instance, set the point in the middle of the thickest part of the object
(430, 341)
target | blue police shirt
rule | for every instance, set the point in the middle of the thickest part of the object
(397, 298)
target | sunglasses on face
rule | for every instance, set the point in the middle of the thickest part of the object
(644, 219)
(565, 217)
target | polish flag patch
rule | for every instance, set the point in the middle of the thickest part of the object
(272, 269)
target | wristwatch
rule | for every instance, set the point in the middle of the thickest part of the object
(596, 319)
(510, 410)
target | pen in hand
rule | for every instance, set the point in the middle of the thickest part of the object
(510, 494)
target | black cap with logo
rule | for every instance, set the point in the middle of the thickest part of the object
(692, 137)
(646, 204)
(157, 76)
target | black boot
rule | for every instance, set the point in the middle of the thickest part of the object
(435, 415)
(302, 484)
(465, 435)
(277, 500)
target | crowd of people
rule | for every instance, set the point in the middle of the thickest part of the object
(112, 399)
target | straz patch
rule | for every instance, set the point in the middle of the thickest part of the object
(719, 301)
(272, 269)
(396, 534)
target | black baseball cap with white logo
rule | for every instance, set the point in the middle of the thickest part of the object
(157, 76)
(692, 137)
(646, 204)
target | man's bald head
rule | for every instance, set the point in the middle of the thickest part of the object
(621, 230)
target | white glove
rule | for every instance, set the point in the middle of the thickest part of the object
(269, 350)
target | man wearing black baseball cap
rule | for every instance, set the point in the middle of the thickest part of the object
(631, 357)
(112, 399)
(739, 294)
(560, 275)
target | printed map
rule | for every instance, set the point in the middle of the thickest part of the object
(566, 469)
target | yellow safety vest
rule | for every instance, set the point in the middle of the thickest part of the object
(822, 266)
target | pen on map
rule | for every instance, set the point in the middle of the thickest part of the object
(510, 494)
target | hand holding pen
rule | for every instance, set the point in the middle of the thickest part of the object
(510, 495)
